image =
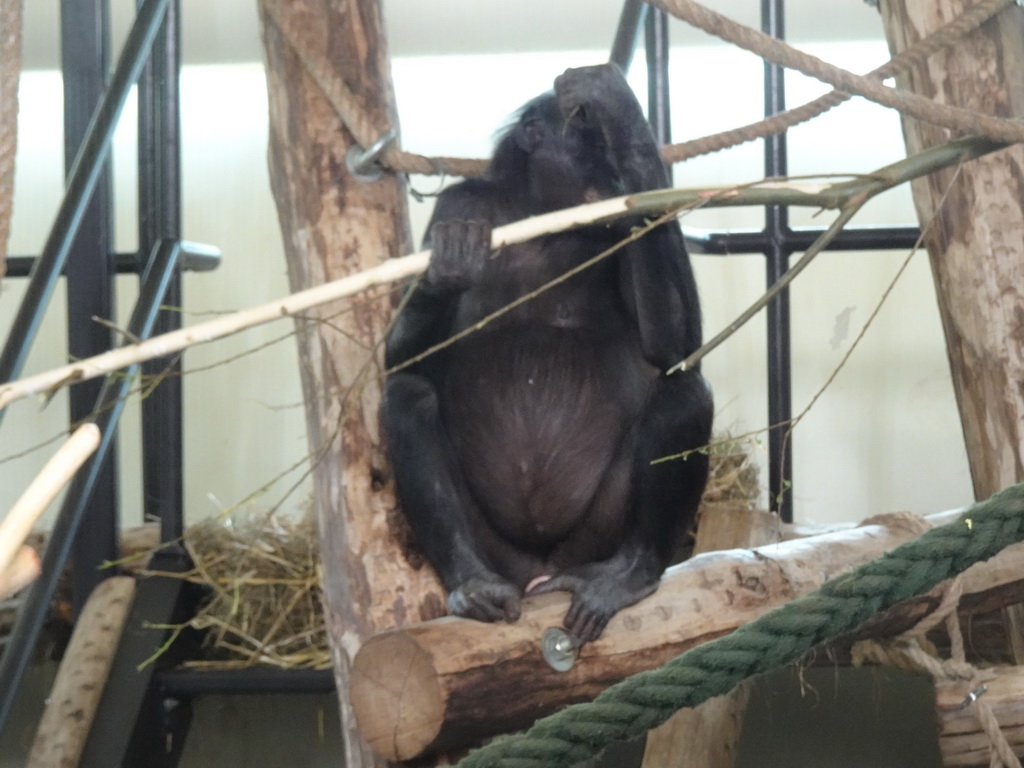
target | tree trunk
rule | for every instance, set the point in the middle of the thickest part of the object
(334, 225)
(976, 244)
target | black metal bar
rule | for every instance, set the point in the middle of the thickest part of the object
(195, 257)
(656, 47)
(18, 652)
(780, 408)
(188, 683)
(85, 62)
(160, 218)
(627, 33)
(82, 181)
(131, 723)
(857, 239)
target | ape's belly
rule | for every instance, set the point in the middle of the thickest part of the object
(538, 416)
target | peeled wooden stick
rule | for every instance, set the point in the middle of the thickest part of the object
(16, 527)
(396, 269)
(815, 195)
(20, 572)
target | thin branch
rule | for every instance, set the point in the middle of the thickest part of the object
(833, 196)
(778, 286)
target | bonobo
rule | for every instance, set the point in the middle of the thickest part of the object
(522, 452)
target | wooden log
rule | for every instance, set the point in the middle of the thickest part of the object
(708, 736)
(431, 686)
(962, 740)
(83, 672)
(334, 225)
(976, 247)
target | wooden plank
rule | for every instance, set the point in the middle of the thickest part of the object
(962, 740)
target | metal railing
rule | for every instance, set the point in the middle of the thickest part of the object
(79, 246)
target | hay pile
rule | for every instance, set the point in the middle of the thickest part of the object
(263, 573)
(732, 475)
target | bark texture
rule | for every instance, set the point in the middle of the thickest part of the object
(976, 244)
(334, 225)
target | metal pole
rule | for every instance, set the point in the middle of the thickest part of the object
(81, 182)
(780, 450)
(627, 33)
(160, 218)
(85, 63)
(658, 95)
(21, 644)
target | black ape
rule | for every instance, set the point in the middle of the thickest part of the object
(522, 452)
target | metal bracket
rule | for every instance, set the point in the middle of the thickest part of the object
(362, 164)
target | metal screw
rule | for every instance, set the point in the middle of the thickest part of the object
(362, 164)
(559, 649)
(973, 696)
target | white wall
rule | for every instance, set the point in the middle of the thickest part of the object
(884, 437)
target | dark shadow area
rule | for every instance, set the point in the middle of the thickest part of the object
(841, 717)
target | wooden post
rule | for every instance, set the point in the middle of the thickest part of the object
(976, 244)
(334, 225)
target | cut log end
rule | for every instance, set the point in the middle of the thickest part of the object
(395, 694)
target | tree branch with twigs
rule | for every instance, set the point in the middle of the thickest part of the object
(845, 196)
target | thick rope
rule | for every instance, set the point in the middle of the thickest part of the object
(10, 68)
(347, 106)
(955, 118)
(918, 52)
(365, 132)
(780, 637)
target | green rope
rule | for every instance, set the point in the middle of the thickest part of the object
(644, 701)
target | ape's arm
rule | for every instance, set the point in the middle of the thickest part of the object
(459, 236)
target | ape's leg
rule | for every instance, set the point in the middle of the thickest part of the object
(436, 503)
(663, 501)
